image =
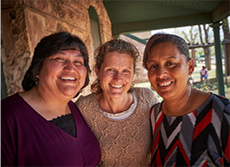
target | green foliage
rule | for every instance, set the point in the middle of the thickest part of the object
(191, 36)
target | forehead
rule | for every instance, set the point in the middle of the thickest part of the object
(75, 52)
(163, 44)
(115, 58)
(165, 51)
(163, 48)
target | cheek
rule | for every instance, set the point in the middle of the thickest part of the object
(46, 72)
(106, 76)
(150, 75)
(180, 71)
(180, 68)
(82, 71)
(51, 68)
(128, 77)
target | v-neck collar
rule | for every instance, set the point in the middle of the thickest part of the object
(51, 124)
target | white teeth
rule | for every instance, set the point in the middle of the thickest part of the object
(165, 84)
(68, 78)
(116, 86)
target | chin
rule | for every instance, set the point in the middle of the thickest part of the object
(166, 96)
(70, 94)
(70, 91)
(116, 95)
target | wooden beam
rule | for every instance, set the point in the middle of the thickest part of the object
(193, 46)
(221, 12)
(155, 24)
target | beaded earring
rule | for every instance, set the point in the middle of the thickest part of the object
(36, 81)
(190, 81)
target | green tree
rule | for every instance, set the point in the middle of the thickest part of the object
(191, 38)
(206, 47)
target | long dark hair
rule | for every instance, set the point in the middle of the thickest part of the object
(49, 46)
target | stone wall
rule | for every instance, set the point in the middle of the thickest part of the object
(25, 22)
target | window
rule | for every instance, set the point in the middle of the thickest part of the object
(94, 26)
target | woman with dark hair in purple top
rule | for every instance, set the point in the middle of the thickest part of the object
(42, 126)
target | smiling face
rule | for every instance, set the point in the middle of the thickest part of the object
(168, 70)
(63, 74)
(116, 74)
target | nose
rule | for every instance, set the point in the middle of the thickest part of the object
(161, 72)
(117, 76)
(69, 66)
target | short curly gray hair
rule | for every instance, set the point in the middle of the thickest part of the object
(114, 45)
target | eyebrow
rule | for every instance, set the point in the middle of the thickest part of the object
(78, 55)
(170, 57)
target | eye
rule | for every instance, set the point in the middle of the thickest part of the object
(126, 71)
(111, 69)
(170, 64)
(152, 66)
(60, 59)
(77, 62)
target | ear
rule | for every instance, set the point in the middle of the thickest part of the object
(37, 76)
(191, 66)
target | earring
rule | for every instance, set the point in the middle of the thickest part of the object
(36, 82)
(190, 81)
(132, 85)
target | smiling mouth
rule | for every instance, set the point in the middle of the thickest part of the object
(165, 84)
(116, 86)
(68, 78)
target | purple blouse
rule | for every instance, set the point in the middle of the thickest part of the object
(27, 139)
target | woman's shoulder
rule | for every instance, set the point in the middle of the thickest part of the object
(143, 91)
(146, 94)
(86, 97)
(87, 105)
(11, 102)
(221, 102)
(13, 106)
(209, 97)
(223, 99)
(85, 100)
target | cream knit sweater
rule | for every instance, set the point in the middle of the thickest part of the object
(125, 142)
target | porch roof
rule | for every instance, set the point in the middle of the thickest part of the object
(143, 15)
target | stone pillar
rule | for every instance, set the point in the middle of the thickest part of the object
(15, 52)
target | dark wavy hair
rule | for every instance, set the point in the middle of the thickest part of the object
(114, 45)
(157, 38)
(49, 46)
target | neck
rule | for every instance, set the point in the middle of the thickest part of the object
(114, 105)
(45, 105)
(179, 106)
